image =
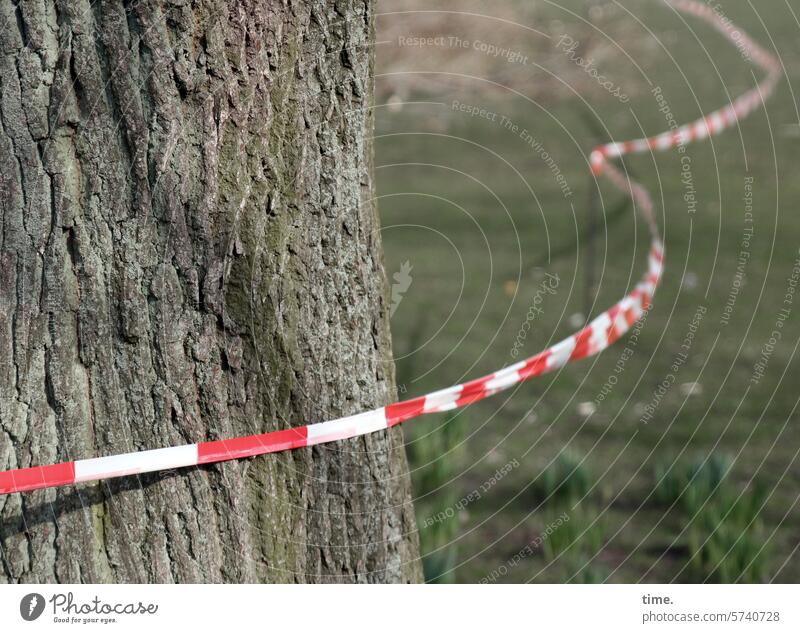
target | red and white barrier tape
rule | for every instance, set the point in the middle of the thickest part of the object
(595, 337)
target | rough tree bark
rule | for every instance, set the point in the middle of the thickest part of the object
(190, 251)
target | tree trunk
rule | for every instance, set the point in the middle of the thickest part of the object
(190, 251)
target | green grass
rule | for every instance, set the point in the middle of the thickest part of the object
(481, 219)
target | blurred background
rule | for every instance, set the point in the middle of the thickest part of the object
(674, 455)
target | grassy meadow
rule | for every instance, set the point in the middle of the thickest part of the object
(670, 457)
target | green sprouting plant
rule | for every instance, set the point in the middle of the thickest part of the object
(563, 483)
(579, 571)
(435, 458)
(725, 540)
(579, 537)
(578, 533)
(439, 559)
(691, 483)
